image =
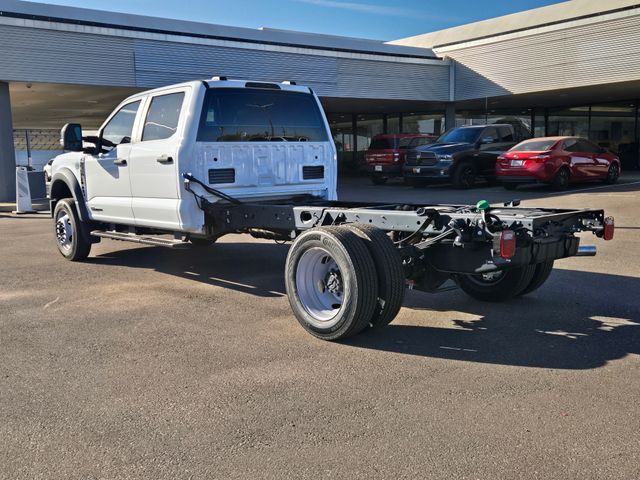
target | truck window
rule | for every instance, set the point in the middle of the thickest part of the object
(421, 141)
(506, 134)
(162, 117)
(490, 135)
(120, 127)
(383, 143)
(246, 114)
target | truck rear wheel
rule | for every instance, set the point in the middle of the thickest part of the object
(72, 238)
(390, 272)
(331, 282)
(496, 286)
(540, 275)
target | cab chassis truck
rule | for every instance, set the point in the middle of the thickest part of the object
(349, 263)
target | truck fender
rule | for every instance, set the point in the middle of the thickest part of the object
(63, 183)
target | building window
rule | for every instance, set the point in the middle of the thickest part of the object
(520, 119)
(393, 124)
(341, 125)
(613, 127)
(367, 127)
(428, 123)
(572, 122)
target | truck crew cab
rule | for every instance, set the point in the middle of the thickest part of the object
(183, 165)
(461, 155)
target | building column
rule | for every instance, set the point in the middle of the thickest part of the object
(7, 152)
(450, 116)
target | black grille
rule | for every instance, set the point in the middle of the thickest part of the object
(313, 173)
(416, 157)
(222, 175)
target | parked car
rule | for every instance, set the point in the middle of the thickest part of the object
(461, 155)
(558, 161)
(386, 154)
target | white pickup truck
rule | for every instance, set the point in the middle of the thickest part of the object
(183, 165)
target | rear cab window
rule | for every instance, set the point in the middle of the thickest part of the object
(259, 115)
(382, 143)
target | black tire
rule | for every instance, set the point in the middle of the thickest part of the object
(390, 272)
(540, 275)
(72, 237)
(612, 174)
(509, 284)
(510, 186)
(464, 175)
(378, 179)
(561, 180)
(356, 278)
(201, 242)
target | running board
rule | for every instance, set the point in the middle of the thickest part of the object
(147, 240)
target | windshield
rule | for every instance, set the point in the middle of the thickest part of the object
(256, 115)
(534, 146)
(461, 135)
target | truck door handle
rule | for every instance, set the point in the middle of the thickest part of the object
(120, 161)
(164, 159)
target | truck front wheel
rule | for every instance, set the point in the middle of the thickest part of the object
(464, 175)
(331, 282)
(72, 238)
(496, 286)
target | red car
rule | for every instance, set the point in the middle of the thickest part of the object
(558, 161)
(387, 153)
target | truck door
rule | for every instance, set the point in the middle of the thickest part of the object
(489, 150)
(153, 162)
(107, 174)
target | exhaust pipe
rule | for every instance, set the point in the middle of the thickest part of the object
(587, 251)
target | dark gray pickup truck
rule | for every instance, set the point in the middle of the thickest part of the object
(461, 155)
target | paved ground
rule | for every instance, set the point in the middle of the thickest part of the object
(146, 363)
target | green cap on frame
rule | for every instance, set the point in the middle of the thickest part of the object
(483, 205)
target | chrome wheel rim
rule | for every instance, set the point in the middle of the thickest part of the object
(64, 231)
(320, 286)
(613, 173)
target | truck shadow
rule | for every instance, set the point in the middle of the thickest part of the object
(255, 268)
(577, 320)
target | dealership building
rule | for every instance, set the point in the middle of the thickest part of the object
(567, 69)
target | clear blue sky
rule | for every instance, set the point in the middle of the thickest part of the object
(378, 19)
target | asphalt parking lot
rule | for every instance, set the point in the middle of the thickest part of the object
(149, 363)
